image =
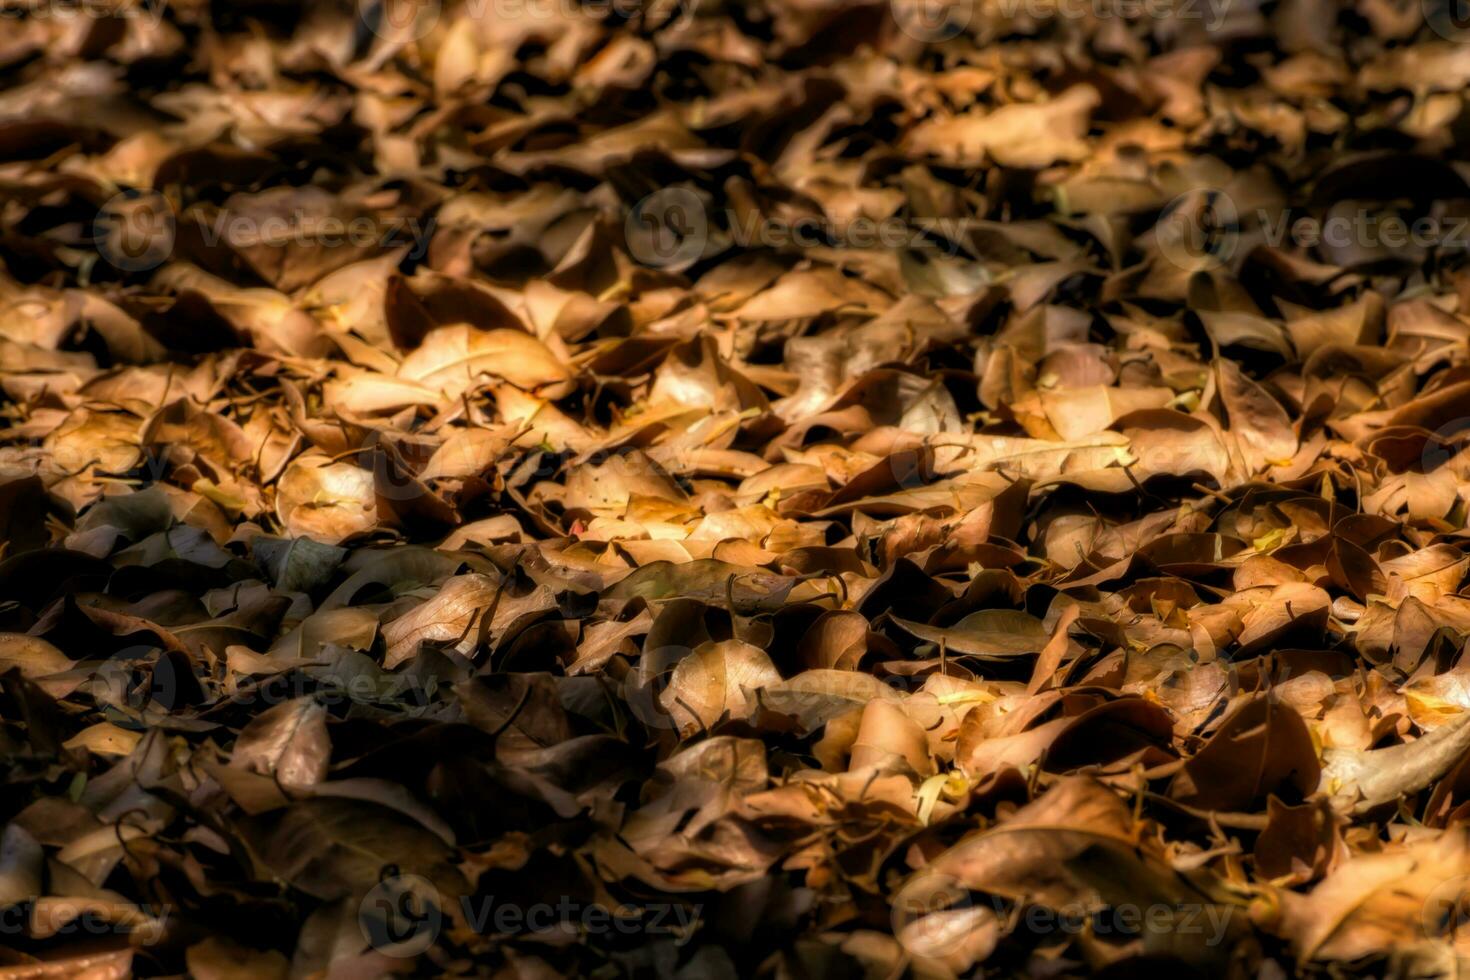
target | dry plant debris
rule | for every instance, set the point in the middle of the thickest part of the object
(786, 488)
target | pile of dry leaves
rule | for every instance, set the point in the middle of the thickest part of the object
(683, 489)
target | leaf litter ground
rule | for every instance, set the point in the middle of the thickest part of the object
(697, 490)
